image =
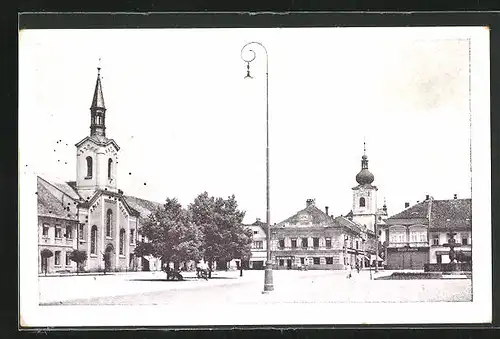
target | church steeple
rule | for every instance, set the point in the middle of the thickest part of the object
(98, 110)
(364, 177)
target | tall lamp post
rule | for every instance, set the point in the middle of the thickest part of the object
(376, 243)
(268, 275)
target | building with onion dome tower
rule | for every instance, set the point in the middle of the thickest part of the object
(364, 203)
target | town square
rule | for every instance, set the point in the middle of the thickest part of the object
(165, 179)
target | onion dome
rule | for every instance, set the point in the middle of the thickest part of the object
(364, 177)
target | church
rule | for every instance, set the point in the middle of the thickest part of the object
(91, 214)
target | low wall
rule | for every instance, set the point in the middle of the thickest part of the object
(448, 267)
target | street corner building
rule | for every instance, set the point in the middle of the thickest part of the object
(421, 234)
(91, 214)
(258, 257)
(313, 239)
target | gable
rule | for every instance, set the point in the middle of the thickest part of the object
(309, 216)
(91, 143)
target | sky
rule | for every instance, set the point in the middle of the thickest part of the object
(187, 121)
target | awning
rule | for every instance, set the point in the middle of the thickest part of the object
(373, 257)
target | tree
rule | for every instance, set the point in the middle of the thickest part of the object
(242, 241)
(45, 254)
(172, 235)
(221, 222)
(79, 257)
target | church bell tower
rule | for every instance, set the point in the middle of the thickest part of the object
(97, 156)
(364, 205)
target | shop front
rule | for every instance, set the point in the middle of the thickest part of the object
(407, 258)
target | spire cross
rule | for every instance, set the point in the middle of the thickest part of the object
(364, 146)
(99, 66)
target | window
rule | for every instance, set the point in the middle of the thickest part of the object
(282, 243)
(81, 232)
(45, 230)
(316, 261)
(110, 165)
(328, 243)
(329, 260)
(258, 244)
(423, 237)
(294, 243)
(57, 258)
(69, 232)
(302, 261)
(255, 232)
(435, 239)
(89, 168)
(357, 244)
(68, 261)
(465, 239)
(93, 240)
(362, 202)
(132, 238)
(315, 242)
(304, 242)
(282, 262)
(58, 231)
(122, 241)
(109, 216)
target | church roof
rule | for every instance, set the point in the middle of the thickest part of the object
(98, 99)
(50, 206)
(142, 206)
(99, 140)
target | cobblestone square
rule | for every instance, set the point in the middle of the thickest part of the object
(150, 288)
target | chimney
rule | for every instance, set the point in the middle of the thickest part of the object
(258, 219)
(455, 196)
(407, 204)
(427, 197)
(326, 210)
(309, 202)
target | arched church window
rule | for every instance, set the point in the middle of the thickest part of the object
(122, 241)
(362, 202)
(89, 167)
(109, 217)
(93, 240)
(110, 165)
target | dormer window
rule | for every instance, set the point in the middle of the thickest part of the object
(89, 168)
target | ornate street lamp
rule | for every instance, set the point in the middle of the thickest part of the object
(268, 275)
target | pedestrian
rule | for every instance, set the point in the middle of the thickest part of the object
(349, 271)
(357, 266)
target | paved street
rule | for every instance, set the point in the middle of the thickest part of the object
(150, 288)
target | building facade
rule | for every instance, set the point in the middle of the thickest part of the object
(257, 261)
(312, 239)
(420, 234)
(92, 213)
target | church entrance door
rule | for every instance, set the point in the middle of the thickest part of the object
(109, 258)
